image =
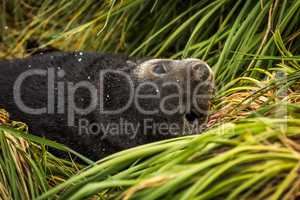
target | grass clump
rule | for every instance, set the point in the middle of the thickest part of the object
(27, 168)
(255, 158)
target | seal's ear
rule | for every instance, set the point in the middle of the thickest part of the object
(33, 48)
(139, 61)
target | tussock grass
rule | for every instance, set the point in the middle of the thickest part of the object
(255, 158)
(251, 149)
(232, 36)
(27, 170)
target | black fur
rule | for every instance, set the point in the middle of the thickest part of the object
(78, 67)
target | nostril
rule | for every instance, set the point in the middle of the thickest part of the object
(202, 71)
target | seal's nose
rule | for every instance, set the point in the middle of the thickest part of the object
(200, 70)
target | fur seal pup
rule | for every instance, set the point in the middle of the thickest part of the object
(98, 104)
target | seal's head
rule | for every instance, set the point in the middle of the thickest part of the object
(167, 98)
(184, 88)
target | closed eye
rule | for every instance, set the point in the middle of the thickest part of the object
(159, 69)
